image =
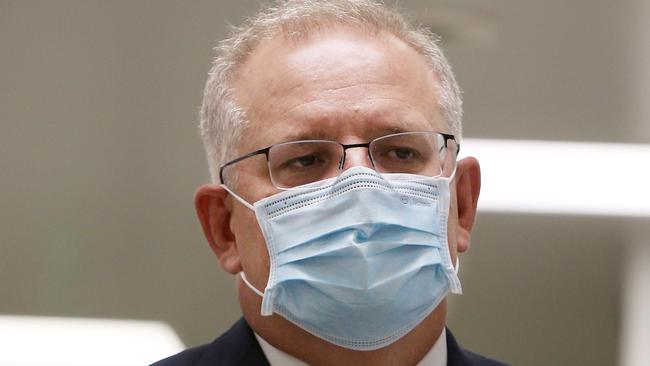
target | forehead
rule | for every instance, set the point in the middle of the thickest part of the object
(338, 84)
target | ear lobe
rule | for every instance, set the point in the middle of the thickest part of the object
(468, 188)
(214, 215)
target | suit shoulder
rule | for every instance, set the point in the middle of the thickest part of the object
(476, 359)
(188, 357)
(235, 347)
(457, 356)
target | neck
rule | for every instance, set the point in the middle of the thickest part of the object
(284, 335)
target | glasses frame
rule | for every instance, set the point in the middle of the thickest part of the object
(446, 137)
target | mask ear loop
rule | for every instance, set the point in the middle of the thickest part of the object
(251, 207)
(267, 305)
(453, 173)
(241, 200)
(457, 266)
(243, 277)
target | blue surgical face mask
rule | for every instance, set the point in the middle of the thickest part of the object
(358, 260)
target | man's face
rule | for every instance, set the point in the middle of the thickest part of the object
(338, 85)
(335, 85)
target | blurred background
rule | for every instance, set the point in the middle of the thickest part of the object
(100, 157)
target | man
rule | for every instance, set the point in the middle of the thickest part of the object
(332, 129)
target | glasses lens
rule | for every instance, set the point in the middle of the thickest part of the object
(296, 163)
(420, 153)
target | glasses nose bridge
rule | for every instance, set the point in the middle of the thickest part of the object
(344, 158)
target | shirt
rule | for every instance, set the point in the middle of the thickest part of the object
(437, 355)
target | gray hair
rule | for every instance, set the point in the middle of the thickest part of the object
(222, 122)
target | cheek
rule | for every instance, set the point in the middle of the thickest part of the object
(251, 247)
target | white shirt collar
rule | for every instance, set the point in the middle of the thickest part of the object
(437, 355)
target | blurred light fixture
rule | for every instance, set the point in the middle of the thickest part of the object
(562, 177)
(40, 341)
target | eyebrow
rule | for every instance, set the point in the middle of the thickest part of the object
(318, 134)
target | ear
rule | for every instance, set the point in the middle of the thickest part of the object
(468, 187)
(214, 215)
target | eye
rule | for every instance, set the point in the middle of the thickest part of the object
(305, 161)
(401, 153)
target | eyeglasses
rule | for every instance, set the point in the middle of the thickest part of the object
(295, 163)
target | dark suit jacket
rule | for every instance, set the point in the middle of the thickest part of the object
(238, 347)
